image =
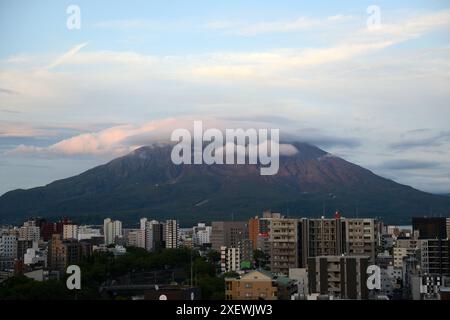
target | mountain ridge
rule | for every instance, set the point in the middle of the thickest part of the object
(145, 182)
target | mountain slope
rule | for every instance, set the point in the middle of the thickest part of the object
(146, 183)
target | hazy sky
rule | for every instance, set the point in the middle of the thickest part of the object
(376, 94)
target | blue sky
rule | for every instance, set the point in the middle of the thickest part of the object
(72, 99)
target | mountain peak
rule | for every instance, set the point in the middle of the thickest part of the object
(147, 183)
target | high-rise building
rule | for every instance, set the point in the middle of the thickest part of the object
(88, 232)
(172, 234)
(341, 277)
(8, 251)
(201, 234)
(23, 246)
(435, 256)
(30, 231)
(326, 236)
(404, 247)
(430, 228)
(111, 230)
(448, 228)
(230, 259)
(253, 231)
(228, 233)
(70, 231)
(361, 237)
(135, 238)
(8, 246)
(62, 253)
(284, 237)
(153, 234)
(246, 250)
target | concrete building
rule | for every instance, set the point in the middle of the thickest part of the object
(404, 247)
(8, 251)
(284, 237)
(62, 253)
(322, 237)
(88, 232)
(111, 230)
(259, 285)
(435, 257)
(342, 277)
(300, 275)
(230, 259)
(172, 234)
(70, 231)
(23, 246)
(201, 234)
(135, 238)
(361, 238)
(151, 235)
(228, 233)
(30, 231)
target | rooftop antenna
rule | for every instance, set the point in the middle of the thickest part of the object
(232, 216)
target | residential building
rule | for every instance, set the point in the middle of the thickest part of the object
(342, 277)
(70, 231)
(201, 234)
(111, 230)
(30, 231)
(230, 259)
(88, 232)
(284, 237)
(361, 237)
(228, 233)
(62, 253)
(172, 234)
(8, 251)
(259, 285)
(435, 256)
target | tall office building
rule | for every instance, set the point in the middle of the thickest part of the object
(430, 228)
(228, 233)
(172, 234)
(111, 230)
(341, 277)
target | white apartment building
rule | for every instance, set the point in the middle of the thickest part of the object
(201, 234)
(111, 230)
(70, 231)
(88, 232)
(230, 259)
